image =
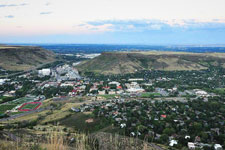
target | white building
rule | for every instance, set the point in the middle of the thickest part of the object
(200, 92)
(2, 81)
(101, 92)
(136, 79)
(114, 82)
(191, 145)
(66, 84)
(123, 125)
(173, 142)
(218, 147)
(44, 72)
(135, 90)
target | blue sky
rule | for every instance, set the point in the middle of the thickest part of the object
(113, 22)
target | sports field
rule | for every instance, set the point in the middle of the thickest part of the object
(30, 106)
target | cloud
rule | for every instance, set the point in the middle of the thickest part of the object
(47, 4)
(89, 28)
(13, 5)
(133, 25)
(156, 25)
(9, 16)
(46, 13)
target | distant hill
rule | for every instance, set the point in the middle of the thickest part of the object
(18, 58)
(130, 62)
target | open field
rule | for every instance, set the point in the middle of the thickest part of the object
(60, 113)
(107, 96)
(149, 95)
(78, 122)
(4, 108)
(21, 100)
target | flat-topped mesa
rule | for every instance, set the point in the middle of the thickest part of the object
(130, 62)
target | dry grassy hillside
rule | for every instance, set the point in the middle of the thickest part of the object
(129, 62)
(24, 58)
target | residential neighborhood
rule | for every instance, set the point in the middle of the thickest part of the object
(162, 108)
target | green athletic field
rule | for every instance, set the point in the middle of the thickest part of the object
(30, 106)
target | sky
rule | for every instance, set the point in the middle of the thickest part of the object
(153, 22)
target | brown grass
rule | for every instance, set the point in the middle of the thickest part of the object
(58, 141)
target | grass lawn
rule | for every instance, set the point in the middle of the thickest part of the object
(21, 100)
(77, 121)
(30, 106)
(4, 108)
(148, 95)
(219, 91)
(15, 113)
(1, 113)
(107, 96)
(1, 97)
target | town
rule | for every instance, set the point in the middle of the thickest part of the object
(178, 108)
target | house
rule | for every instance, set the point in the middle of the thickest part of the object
(74, 91)
(112, 92)
(163, 116)
(191, 145)
(197, 139)
(200, 92)
(119, 92)
(173, 142)
(123, 125)
(75, 109)
(119, 87)
(89, 120)
(12, 93)
(2, 81)
(218, 147)
(100, 98)
(1, 93)
(132, 134)
(101, 92)
(66, 84)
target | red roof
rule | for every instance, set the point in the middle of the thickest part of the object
(119, 87)
(163, 116)
(74, 90)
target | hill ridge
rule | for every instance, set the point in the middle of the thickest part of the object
(18, 58)
(130, 62)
